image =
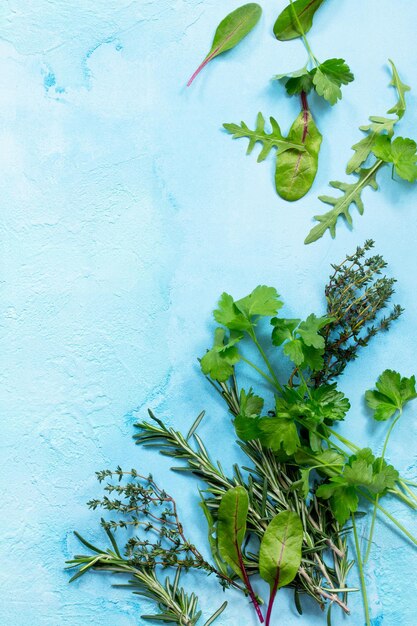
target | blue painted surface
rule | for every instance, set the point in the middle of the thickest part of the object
(126, 211)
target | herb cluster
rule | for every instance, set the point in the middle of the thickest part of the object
(284, 515)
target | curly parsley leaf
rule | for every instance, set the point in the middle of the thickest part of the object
(301, 12)
(231, 30)
(401, 153)
(219, 361)
(329, 76)
(391, 395)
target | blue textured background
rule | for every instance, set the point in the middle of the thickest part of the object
(126, 211)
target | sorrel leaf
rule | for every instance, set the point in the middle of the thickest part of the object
(231, 30)
(295, 170)
(231, 527)
(286, 26)
(280, 551)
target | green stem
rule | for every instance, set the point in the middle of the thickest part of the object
(303, 35)
(258, 369)
(390, 517)
(404, 485)
(361, 573)
(381, 461)
(347, 443)
(261, 351)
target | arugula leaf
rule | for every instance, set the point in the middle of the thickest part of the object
(274, 139)
(328, 78)
(401, 88)
(401, 153)
(391, 395)
(301, 12)
(219, 361)
(351, 195)
(231, 30)
(295, 170)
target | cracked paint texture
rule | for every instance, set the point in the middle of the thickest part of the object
(125, 213)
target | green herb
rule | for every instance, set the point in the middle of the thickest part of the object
(231, 531)
(391, 395)
(231, 30)
(356, 295)
(142, 506)
(296, 169)
(379, 147)
(281, 515)
(280, 553)
(301, 12)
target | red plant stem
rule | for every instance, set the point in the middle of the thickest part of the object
(249, 586)
(304, 104)
(271, 601)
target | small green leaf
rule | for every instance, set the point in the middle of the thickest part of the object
(401, 153)
(262, 301)
(271, 140)
(309, 330)
(280, 551)
(391, 395)
(329, 77)
(297, 82)
(301, 12)
(351, 194)
(277, 433)
(400, 107)
(231, 30)
(231, 527)
(283, 329)
(219, 361)
(295, 170)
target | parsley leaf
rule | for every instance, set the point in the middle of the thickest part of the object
(240, 314)
(277, 433)
(328, 78)
(401, 153)
(219, 361)
(304, 344)
(362, 471)
(391, 395)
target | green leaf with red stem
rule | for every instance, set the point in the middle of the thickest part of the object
(286, 26)
(280, 553)
(231, 30)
